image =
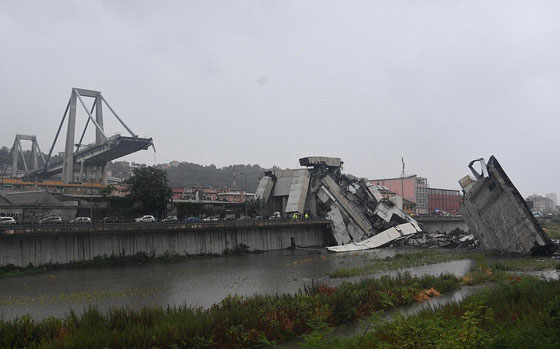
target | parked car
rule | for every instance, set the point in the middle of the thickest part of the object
(7, 220)
(245, 218)
(81, 220)
(193, 219)
(51, 220)
(170, 219)
(211, 219)
(145, 219)
(110, 219)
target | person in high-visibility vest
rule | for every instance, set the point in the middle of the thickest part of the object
(306, 215)
(294, 216)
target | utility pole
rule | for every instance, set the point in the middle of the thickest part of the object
(402, 184)
(91, 195)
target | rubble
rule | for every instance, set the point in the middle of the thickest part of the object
(497, 214)
(361, 217)
(431, 240)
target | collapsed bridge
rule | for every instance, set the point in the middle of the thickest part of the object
(361, 217)
(81, 159)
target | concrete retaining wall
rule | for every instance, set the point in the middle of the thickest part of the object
(72, 244)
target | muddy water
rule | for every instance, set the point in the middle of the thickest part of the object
(198, 283)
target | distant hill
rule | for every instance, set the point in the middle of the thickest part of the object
(180, 174)
(187, 174)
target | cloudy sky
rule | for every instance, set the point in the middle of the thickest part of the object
(220, 82)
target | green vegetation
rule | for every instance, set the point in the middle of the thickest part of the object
(407, 260)
(249, 321)
(90, 296)
(527, 264)
(235, 322)
(99, 261)
(110, 261)
(552, 230)
(149, 189)
(187, 175)
(521, 313)
(414, 259)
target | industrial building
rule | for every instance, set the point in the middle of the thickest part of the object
(415, 190)
(444, 201)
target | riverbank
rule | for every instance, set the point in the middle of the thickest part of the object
(41, 245)
(432, 256)
(518, 313)
(113, 261)
(236, 321)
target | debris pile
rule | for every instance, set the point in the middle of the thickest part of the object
(456, 239)
(361, 217)
(497, 214)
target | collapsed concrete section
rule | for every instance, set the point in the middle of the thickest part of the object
(497, 214)
(357, 210)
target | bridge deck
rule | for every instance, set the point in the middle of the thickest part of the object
(100, 154)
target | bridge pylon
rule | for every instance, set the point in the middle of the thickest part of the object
(17, 150)
(93, 164)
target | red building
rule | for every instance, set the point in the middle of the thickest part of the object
(444, 201)
(414, 190)
(177, 193)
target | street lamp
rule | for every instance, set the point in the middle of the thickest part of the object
(245, 193)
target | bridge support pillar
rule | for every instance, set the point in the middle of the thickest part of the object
(15, 157)
(99, 119)
(34, 155)
(68, 166)
(81, 178)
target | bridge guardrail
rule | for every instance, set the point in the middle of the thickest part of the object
(23, 228)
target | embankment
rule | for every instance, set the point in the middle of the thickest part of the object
(37, 246)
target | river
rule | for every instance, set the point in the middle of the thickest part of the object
(197, 283)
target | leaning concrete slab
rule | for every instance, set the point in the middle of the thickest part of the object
(298, 192)
(498, 216)
(264, 189)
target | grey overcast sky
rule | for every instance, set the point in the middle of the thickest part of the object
(220, 82)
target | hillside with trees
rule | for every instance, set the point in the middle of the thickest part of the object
(179, 174)
(6, 159)
(187, 174)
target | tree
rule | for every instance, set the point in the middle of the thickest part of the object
(106, 191)
(254, 207)
(149, 187)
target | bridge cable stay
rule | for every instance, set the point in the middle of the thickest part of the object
(57, 134)
(85, 129)
(89, 115)
(118, 118)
